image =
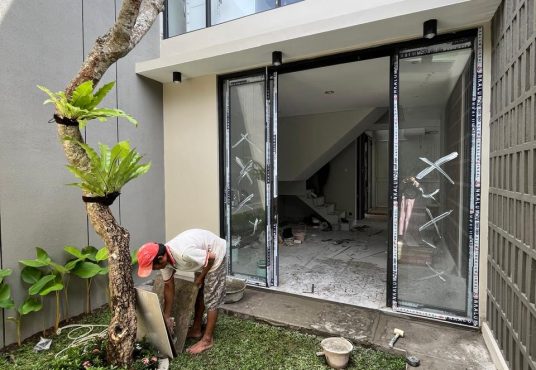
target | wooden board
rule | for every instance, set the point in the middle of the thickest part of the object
(183, 307)
(151, 325)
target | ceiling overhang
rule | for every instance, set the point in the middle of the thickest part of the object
(194, 54)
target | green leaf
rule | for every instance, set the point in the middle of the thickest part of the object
(31, 275)
(91, 252)
(103, 271)
(102, 254)
(5, 296)
(82, 96)
(33, 263)
(4, 273)
(73, 251)
(5, 292)
(70, 265)
(7, 303)
(40, 284)
(134, 256)
(86, 270)
(42, 255)
(51, 287)
(101, 93)
(31, 304)
(58, 268)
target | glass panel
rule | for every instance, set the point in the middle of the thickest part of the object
(434, 182)
(246, 163)
(226, 10)
(287, 2)
(185, 16)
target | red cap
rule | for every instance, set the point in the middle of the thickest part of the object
(146, 255)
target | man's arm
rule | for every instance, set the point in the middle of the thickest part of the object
(169, 293)
(210, 262)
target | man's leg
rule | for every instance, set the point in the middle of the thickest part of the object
(207, 340)
(195, 331)
(214, 296)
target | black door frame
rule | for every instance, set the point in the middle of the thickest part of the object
(387, 50)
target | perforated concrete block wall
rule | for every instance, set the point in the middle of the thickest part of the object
(512, 212)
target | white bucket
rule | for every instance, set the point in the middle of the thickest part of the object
(337, 351)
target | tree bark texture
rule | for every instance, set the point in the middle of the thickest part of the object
(134, 20)
(122, 328)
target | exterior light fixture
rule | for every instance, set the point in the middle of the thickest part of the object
(177, 77)
(429, 29)
(277, 58)
(329, 92)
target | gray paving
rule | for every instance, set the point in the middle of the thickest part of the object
(439, 346)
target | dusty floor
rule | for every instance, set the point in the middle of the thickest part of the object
(344, 266)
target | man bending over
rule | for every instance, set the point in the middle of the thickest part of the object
(198, 251)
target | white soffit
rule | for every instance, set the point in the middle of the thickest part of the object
(218, 49)
(335, 88)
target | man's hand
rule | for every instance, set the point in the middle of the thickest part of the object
(170, 323)
(199, 281)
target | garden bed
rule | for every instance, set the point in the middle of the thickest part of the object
(239, 344)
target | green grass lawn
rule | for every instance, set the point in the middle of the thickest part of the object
(239, 344)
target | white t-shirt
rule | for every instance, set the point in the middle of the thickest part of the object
(190, 250)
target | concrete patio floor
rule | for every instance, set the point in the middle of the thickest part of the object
(438, 346)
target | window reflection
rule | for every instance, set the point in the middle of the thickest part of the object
(434, 176)
(226, 10)
(247, 179)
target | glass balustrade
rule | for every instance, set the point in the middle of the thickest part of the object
(182, 16)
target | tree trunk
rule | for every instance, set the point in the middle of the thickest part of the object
(133, 21)
(122, 328)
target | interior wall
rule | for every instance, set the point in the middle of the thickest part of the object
(340, 186)
(307, 142)
(191, 155)
(36, 207)
(456, 138)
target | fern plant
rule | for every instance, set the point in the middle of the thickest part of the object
(82, 105)
(110, 169)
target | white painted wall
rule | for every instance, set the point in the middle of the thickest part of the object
(340, 187)
(191, 156)
(308, 142)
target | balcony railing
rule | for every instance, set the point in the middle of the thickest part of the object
(182, 16)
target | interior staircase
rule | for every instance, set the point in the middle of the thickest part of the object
(326, 211)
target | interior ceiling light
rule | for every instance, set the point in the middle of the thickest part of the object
(329, 92)
(177, 77)
(429, 29)
(277, 58)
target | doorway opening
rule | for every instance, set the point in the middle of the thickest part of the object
(333, 182)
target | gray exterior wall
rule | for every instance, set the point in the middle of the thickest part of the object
(512, 212)
(44, 42)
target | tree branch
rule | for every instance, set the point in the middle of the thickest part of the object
(148, 13)
(134, 20)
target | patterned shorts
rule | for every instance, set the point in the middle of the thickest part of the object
(214, 286)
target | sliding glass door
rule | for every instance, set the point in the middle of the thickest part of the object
(436, 180)
(248, 178)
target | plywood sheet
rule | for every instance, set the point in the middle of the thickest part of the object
(183, 307)
(151, 323)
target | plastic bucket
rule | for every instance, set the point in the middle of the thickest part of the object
(337, 351)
